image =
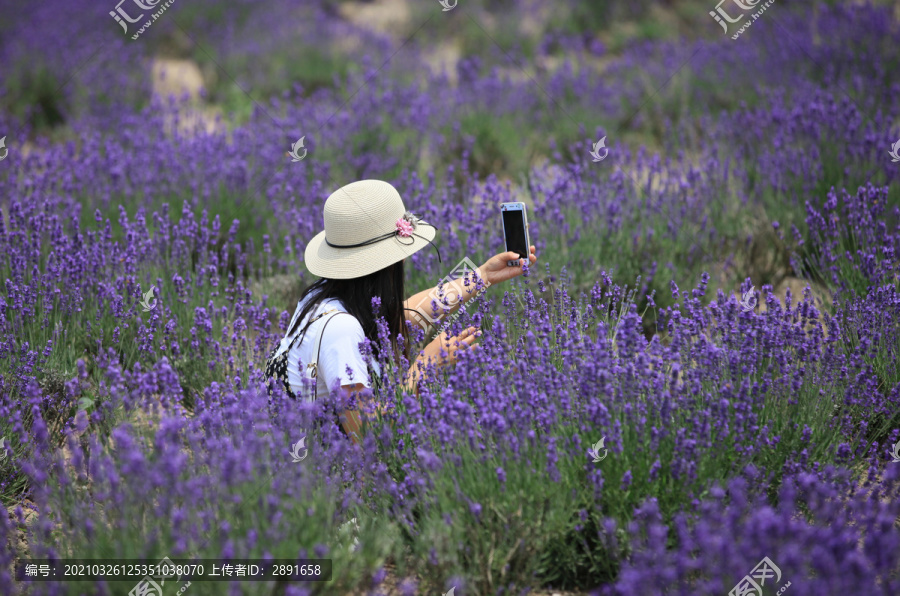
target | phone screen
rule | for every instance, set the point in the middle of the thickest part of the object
(514, 230)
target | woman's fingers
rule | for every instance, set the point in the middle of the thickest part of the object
(513, 257)
(463, 340)
(469, 335)
(509, 255)
(468, 332)
(467, 341)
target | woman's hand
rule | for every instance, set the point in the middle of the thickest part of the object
(450, 345)
(353, 419)
(496, 268)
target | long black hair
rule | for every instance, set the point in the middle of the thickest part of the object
(356, 297)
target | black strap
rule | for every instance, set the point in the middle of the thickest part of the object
(305, 327)
(322, 335)
(318, 354)
(385, 237)
(394, 234)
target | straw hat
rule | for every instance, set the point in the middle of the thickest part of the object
(367, 228)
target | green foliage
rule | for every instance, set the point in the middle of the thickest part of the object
(89, 331)
(544, 525)
(500, 144)
(34, 93)
(311, 66)
(501, 543)
(129, 528)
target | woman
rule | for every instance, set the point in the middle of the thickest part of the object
(360, 254)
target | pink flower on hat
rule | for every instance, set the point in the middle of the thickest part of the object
(405, 225)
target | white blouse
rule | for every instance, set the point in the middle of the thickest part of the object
(340, 351)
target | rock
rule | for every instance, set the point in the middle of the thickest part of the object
(176, 77)
(390, 17)
(443, 57)
(190, 121)
(821, 296)
(18, 540)
(534, 21)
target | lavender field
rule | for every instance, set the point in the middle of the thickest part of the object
(695, 391)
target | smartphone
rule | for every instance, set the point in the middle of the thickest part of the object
(515, 228)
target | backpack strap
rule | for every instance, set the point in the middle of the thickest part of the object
(299, 332)
(312, 369)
